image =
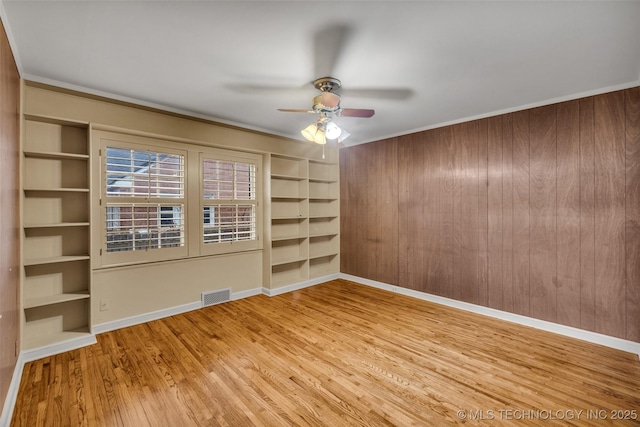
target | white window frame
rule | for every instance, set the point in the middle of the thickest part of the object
(192, 203)
(154, 253)
(210, 248)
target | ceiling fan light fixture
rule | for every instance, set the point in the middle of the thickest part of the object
(309, 132)
(343, 135)
(314, 133)
(332, 131)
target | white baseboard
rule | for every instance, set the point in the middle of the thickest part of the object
(246, 294)
(299, 285)
(59, 347)
(12, 393)
(568, 331)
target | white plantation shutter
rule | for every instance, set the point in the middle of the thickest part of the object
(229, 202)
(144, 190)
(164, 200)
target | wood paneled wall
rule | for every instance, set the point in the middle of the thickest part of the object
(535, 212)
(9, 214)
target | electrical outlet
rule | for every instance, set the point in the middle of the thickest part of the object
(104, 304)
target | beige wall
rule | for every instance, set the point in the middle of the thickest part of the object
(135, 290)
(48, 102)
(141, 289)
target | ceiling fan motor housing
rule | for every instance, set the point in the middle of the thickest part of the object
(327, 84)
(326, 102)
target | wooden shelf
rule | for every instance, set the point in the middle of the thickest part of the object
(322, 180)
(320, 199)
(56, 120)
(288, 217)
(54, 299)
(288, 198)
(55, 260)
(323, 254)
(58, 190)
(283, 238)
(289, 260)
(56, 218)
(288, 177)
(329, 234)
(55, 155)
(302, 189)
(57, 225)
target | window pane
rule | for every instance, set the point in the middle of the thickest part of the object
(245, 181)
(133, 227)
(136, 173)
(226, 180)
(229, 223)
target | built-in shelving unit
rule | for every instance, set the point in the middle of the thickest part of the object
(324, 218)
(56, 231)
(304, 219)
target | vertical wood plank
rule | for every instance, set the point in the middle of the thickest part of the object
(568, 215)
(430, 258)
(386, 236)
(369, 243)
(507, 213)
(446, 152)
(346, 206)
(422, 200)
(587, 217)
(362, 211)
(483, 213)
(350, 200)
(543, 253)
(408, 201)
(521, 291)
(632, 213)
(495, 296)
(610, 213)
(465, 211)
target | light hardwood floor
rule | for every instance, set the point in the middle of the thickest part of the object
(336, 354)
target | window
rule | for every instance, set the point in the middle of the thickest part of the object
(145, 201)
(163, 200)
(229, 202)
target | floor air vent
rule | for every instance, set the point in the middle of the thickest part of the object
(216, 297)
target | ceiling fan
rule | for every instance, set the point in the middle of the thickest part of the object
(328, 46)
(327, 106)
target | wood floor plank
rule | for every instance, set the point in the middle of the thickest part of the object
(335, 354)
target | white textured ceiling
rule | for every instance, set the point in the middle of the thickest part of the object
(419, 64)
